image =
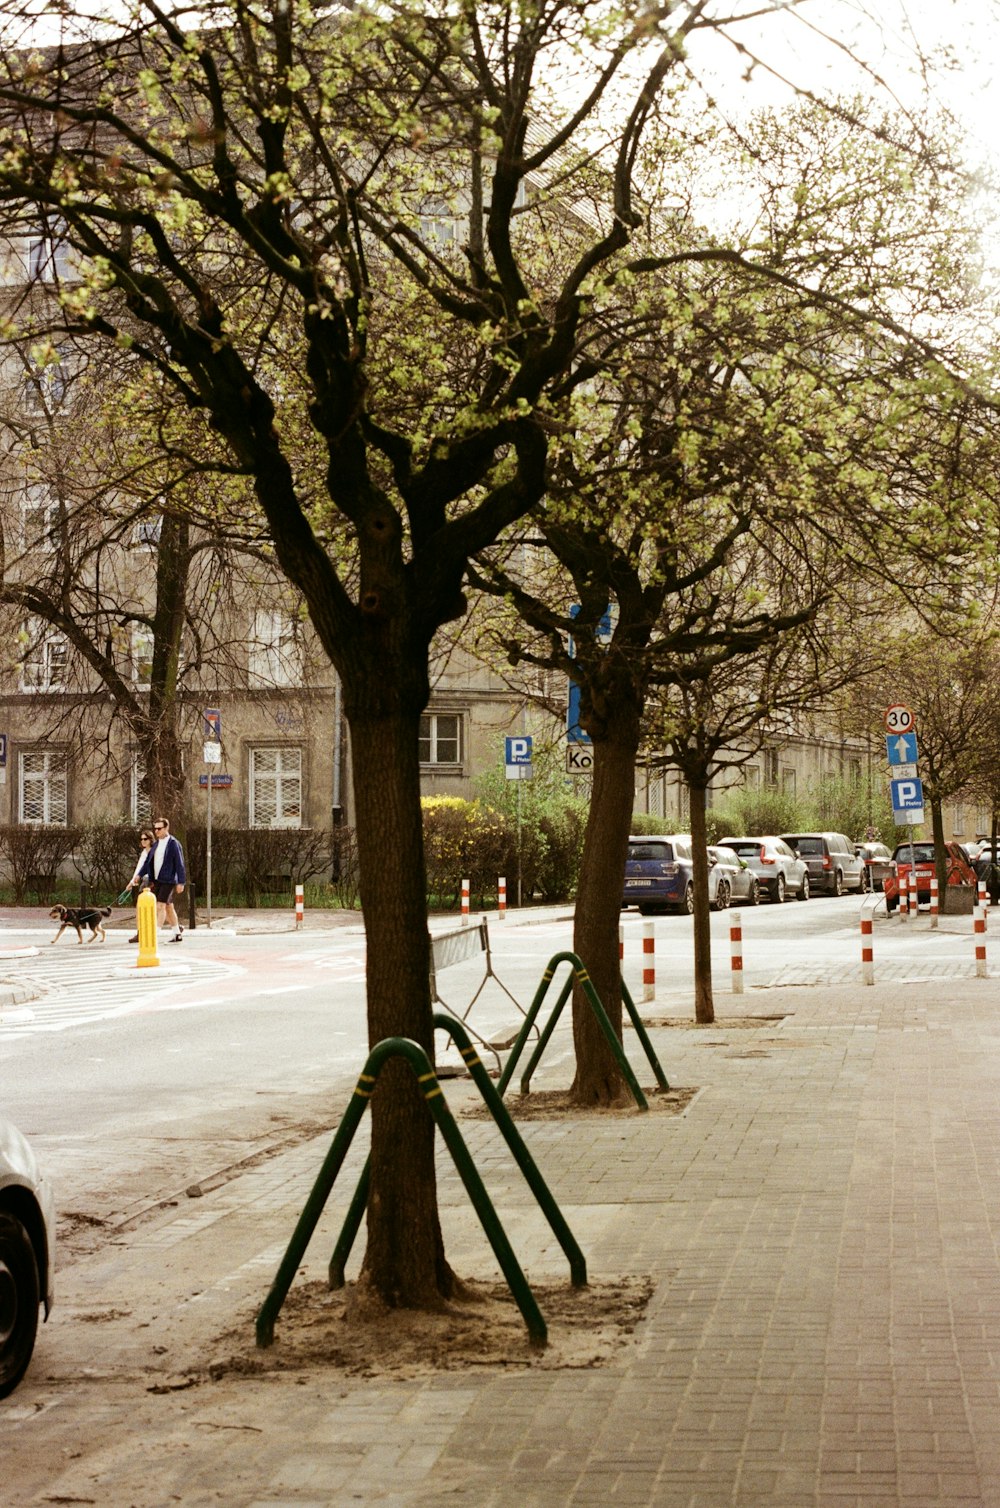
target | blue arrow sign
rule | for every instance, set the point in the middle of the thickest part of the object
(907, 795)
(901, 748)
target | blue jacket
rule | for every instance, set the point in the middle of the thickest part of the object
(172, 871)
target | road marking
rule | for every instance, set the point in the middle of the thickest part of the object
(285, 989)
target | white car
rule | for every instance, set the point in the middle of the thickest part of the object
(779, 871)
(27, 1237)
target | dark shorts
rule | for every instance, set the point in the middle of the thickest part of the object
(163, 891)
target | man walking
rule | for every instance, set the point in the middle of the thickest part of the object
(164, 867)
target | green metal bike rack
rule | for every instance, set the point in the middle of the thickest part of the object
(418, 1060)
(582, 978)
(514, 1140)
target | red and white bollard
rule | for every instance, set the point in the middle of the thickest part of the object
(465, 903)
(979, 934)
(982, 895)
(648, 962)
(299, 906)
(867, 952)
(934, 900)
(621, 950)
(904, 897)
(502, 895)
(736, 952)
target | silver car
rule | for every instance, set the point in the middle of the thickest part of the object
(27, 1235)
(735, 875)
(779, 871)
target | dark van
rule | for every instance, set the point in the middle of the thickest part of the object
(833, 865)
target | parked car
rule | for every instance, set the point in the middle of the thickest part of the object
(659, 875)
(918, 858)
(27, 1235)
(877, 859)
(739, 877)
(778, 870)
(833, 865)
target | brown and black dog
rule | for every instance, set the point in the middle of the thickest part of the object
(80, 917)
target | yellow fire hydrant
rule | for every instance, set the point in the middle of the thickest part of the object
(145, 914)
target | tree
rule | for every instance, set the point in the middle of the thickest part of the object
(309, 231)
(741, 465)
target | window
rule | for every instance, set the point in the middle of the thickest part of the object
(275, 787)
(440, 738)
(50, 258)
(142, 657)
(39, 519)
(275, 650)
(46, 656)
(751, 777)
(44, 388)
(959, 824)
(42, 788)
(140, 806)
(788, 781)
(146, 531)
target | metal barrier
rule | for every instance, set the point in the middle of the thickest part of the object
(449, 948)
(582, 978)
(436, 1103)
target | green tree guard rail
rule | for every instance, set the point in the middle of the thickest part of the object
(334, 1160)
(514, 1140)
(582, 978)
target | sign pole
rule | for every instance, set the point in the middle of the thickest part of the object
(208, 851)
(212, 755)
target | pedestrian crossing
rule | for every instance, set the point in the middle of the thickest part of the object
(79, 986)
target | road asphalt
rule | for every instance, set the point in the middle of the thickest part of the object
(818, 1231)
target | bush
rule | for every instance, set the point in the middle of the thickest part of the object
(33, 856)
(251, 862)
(105, 857)
(463, 840)
(548, 818)
(754, 811)
(648, 822)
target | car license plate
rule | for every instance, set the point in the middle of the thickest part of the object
(631, 884)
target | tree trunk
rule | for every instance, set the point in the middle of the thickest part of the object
(598, 1079)
(940, 856)
(404, 1264)
(704, 1008)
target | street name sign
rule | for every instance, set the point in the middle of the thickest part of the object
(579, 759)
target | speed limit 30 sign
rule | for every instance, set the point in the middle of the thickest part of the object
(899, 719)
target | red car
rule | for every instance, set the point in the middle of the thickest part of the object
(920, 856)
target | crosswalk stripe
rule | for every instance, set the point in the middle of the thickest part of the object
(77, 991)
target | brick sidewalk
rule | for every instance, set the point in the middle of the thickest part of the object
(822, 1227)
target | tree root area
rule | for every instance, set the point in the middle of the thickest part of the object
(555, 1104)
(323, 1330)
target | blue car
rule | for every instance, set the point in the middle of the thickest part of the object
(659, 873)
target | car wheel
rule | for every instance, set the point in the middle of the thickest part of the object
(689, 899)
(838, 883)
(803, 894)
(779, 889)
(753, 894)
(865, 883)
(19, 1300)
(723, 895)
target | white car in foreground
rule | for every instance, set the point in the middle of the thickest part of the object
(27, 1236)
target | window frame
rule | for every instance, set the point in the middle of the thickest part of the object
(275, 659)
(434, 739)
(45, 641)
(256, 777)
(27, 779)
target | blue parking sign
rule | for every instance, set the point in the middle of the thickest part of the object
(517, 750)
(907, 800)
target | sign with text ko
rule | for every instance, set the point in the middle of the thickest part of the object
(579, 759)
